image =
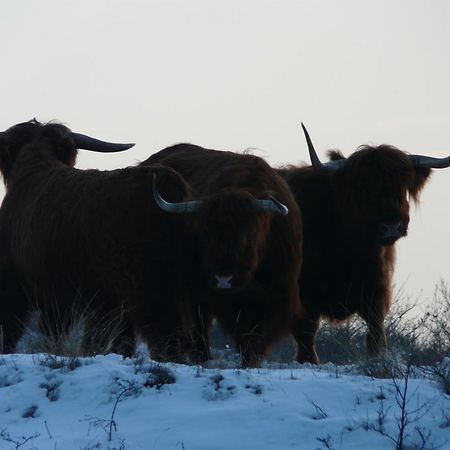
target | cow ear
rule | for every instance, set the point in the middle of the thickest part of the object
(6, 159)
(335, 155)
(64, 149)
(422, 174)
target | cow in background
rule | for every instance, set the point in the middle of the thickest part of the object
(354, 210)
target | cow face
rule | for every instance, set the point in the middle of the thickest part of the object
(233, 233)
(373, 191)
(372, 188)
(232, 227)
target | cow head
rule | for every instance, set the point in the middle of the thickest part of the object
(373, 187)
(62, 144)
(233, 228)
(234, 231)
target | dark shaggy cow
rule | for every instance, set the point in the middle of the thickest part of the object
(354, 210)
(248, 232)
(95, 236)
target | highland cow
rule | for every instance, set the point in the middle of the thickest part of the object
(248, 244)
(95, 236)
(354, 210)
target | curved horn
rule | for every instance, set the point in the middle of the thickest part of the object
(272, 205)
(330, 166)
(430, 162)
(180, 207)
(88, 143)
(315, 161)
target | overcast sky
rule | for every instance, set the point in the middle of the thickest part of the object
(237, 74)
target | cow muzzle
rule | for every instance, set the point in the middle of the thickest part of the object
(229, 282)
(224, 281)
(390, 232)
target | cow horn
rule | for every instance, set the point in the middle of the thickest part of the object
(88, 143)
(180, 207)
(272, 205)
(330, 166)
(430, 162)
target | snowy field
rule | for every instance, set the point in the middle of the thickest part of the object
(110, 403)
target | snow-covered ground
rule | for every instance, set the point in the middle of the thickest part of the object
(110, 403)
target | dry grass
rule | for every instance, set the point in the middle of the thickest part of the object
(423, 338)
(66, 334)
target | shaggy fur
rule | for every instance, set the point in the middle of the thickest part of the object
(261, 250)
(346, 268)
(97, 236)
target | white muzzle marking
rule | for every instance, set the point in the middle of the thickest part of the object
(223, 282)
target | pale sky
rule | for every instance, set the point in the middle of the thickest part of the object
(236, 74)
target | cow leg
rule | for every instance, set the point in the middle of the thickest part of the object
(172, 324)
(14, 311)
(253, 329)
(168, 348)
(11, 326)
(170, 344)
(247, 334)
(172, 331)
(304, 330)
(255, 319)
(376, 340)
(255, 343)
(252, 347)
(176, 343)
(198, 344)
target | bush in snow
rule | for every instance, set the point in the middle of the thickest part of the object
(69, 337)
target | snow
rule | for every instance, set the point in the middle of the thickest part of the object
(274, 408)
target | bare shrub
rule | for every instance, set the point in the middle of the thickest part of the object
(320, 413)
(121, 389)
(18, 442)
(436, 322)
(441, 373)
(388, 365)
(51, 387)
(159, 376)
(420, 337)
(156, 374)
(31, 412)
(424, 337)
(343, 343)
(56, 362)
